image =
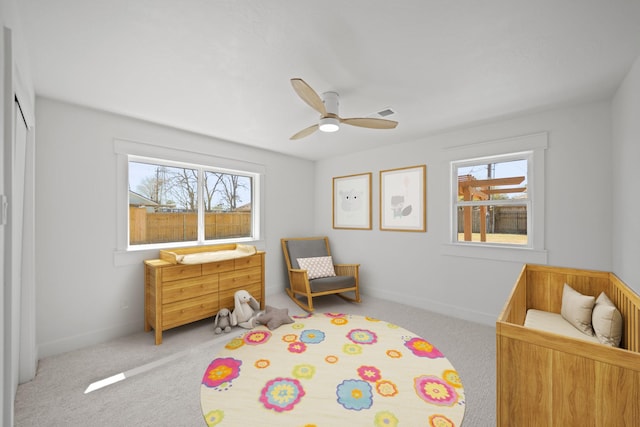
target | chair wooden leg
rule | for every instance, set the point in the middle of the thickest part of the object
(308, 308)
(348, 298)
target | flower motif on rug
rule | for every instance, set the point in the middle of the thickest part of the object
(262, 363)
(234, 344)
(438, 420)
(434, 390)
(355, 394)
(352, 349)
(297, 347)
(452, 378)
(257, 337)
(221, 371)
(394, 354)
(362, 336)
(312, 336)
(302, 316)
(386, 388)
(214, 418)
(423, 348)
(331, 359)
(304, 371)
(290, 338)
(339, 321)
(335, 315)
(369, 373)
(385, 419)
(281, 394)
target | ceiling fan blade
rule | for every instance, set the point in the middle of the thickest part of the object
(305, 132)
(369, 122)
(308, 95)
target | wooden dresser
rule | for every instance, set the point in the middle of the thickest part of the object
(177, 294)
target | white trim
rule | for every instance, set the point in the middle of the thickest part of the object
(495, 252)
(144, 149)
(530, 147)
(488, 319)
(125, 148)
(497, 147)
(85, 339)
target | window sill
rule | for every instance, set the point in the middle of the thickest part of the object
(496, 253)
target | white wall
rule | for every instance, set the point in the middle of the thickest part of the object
(80, 289)
(626, 156)
(409, 267)
(79, 301)
(15, 81)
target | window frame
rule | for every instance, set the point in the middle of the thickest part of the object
(455, 203)
(533, 145)
(135, 151)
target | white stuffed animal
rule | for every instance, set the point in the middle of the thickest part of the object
(222, 322)
(246, 310)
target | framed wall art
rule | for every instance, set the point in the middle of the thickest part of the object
(403, 198)
(352, 202)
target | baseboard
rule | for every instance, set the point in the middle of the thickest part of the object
(76, 342)
(435, 306)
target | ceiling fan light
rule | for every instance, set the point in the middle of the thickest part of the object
(329, 124)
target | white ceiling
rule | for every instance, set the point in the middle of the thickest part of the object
(222, 68)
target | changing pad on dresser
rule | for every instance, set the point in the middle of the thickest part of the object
(213, 256)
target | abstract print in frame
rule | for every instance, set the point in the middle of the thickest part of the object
(403, 197)
(352, 202)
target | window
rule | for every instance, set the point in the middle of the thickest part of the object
(492, 204)
(171, 202)
(170, 198)
(497, 199)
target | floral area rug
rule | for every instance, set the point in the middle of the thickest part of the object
(331, 370)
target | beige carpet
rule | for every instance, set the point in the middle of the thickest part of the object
(163, 382)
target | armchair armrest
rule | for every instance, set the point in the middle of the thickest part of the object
(298, 277)
(347, 269)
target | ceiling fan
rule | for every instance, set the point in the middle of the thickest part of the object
(327, 106)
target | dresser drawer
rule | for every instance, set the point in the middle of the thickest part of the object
(217, 267)
(186, 311)
(246, 262)
(235, 279)
(176, 272)
(178, 290)
(226, 296)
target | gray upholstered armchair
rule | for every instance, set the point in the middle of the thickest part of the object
(317, 276)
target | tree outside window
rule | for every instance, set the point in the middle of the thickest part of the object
(172, 202)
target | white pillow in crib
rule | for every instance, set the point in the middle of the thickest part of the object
(577, 309)
(607, 321)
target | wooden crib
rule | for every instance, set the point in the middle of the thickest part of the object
(545, 379)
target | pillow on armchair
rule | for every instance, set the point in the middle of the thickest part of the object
(317, 267)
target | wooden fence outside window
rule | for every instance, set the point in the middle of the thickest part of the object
(161, 227)
(500, 219)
